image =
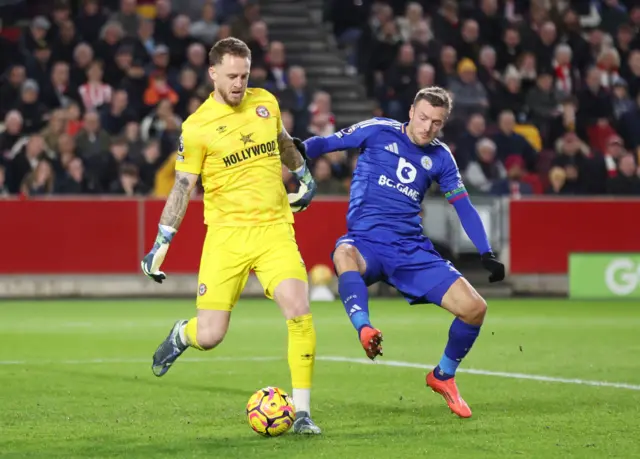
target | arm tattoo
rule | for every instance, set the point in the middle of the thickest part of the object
(178, 200)
(289, 154)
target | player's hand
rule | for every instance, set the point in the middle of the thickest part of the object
(494, 266)
(301, 199)
(302, 148)
(153, 260)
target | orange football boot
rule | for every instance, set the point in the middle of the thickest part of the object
(450, 393)
(371, 340)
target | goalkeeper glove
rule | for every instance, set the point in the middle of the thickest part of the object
(153, 260)
(300, 200)
(494, 266)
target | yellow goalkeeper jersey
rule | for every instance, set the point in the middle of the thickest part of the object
(235, 150)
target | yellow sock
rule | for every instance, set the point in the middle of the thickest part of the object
(302, 356)
(191, 332)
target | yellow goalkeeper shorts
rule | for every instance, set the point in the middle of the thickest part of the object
(231, 252)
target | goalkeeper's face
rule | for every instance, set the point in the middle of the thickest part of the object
(230, 78)
(425, 122)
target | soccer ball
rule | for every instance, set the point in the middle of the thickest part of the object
(295, 197)
(270, 412)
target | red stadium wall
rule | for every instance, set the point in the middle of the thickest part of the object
(544, 232)
(110, 236)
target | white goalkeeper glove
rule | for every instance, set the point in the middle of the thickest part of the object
(153, 260)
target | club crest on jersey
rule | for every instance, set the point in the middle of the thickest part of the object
(202, 289)
(262, 111)
(426, 163)
(348, 130)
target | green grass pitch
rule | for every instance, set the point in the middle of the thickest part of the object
(75, 382)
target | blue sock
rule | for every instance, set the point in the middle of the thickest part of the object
(355, 297)
(461, 337)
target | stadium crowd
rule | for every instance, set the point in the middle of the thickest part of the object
(546, 92)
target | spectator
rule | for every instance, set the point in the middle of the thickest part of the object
(95, 93)
(82, 59)
(276, 61)
(633, 75)
(513, 185)
(543, 102)
(510, 96)
(557, 181)
(40, 181)
(197, 61)
(488, 74)
(469, 95)
(187, 86)
(527, 70)
(400, 84)
(446, 71)
(111, 37)
(259, 42)
(510, 143)
(629, 125)
(447, 22)
(626, 182)
(90, 20)
(567, 77)
(545, 44)
(241, 26)
(609, 64)
(510, 48)
(180, 40)
(163, 21)
(143, 43)
(206, 29)
(593, 101)
(411, 21)
(34, 112)
(11, 136)
(469, 45)
(465, 150)
(483, 172)
(620, 98)
(117, 114)
(11, 87)
(425, 47)
(151, 162)
(159, 90)
(573, 156)
(128, 182)
(75, 181)
(25, 162)
(297, 96)
(58, 93)
(65, 43)
(55, 128)
(156, 122)
(65, 153)
(34, 36)
(128, 17)
(322, 175)
(92, 141)
(39, 65)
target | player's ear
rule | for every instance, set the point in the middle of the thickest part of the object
(411, 112)
(212, 74)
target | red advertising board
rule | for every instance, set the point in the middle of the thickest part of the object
(544, 232)
(81, 236)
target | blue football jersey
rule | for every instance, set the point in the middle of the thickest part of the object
(392, 175)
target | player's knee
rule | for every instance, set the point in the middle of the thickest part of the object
(295, 307)
(474, 310)
(345, 258)
(209, 337)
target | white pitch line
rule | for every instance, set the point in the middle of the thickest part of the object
(359, 361)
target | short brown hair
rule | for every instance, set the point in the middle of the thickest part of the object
(226, 46)
(436, 96)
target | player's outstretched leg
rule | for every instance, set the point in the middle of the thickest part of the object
(292, 297)
(353, 291)
(469, 308)
(203, 333)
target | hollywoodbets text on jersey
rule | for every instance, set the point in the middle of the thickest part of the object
(256, 150)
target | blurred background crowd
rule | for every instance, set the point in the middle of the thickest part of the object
(546, 92)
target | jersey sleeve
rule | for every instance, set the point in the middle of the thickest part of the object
(450, 180)
(191, 152)
(355, 136)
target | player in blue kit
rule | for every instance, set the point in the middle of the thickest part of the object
(385, 241)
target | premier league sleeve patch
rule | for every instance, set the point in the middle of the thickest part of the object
(180, 150)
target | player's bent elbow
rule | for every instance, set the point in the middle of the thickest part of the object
(474, 310)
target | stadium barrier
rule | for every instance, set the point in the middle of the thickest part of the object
(93, 246)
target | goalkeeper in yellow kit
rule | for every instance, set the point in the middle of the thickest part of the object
(236, 142)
